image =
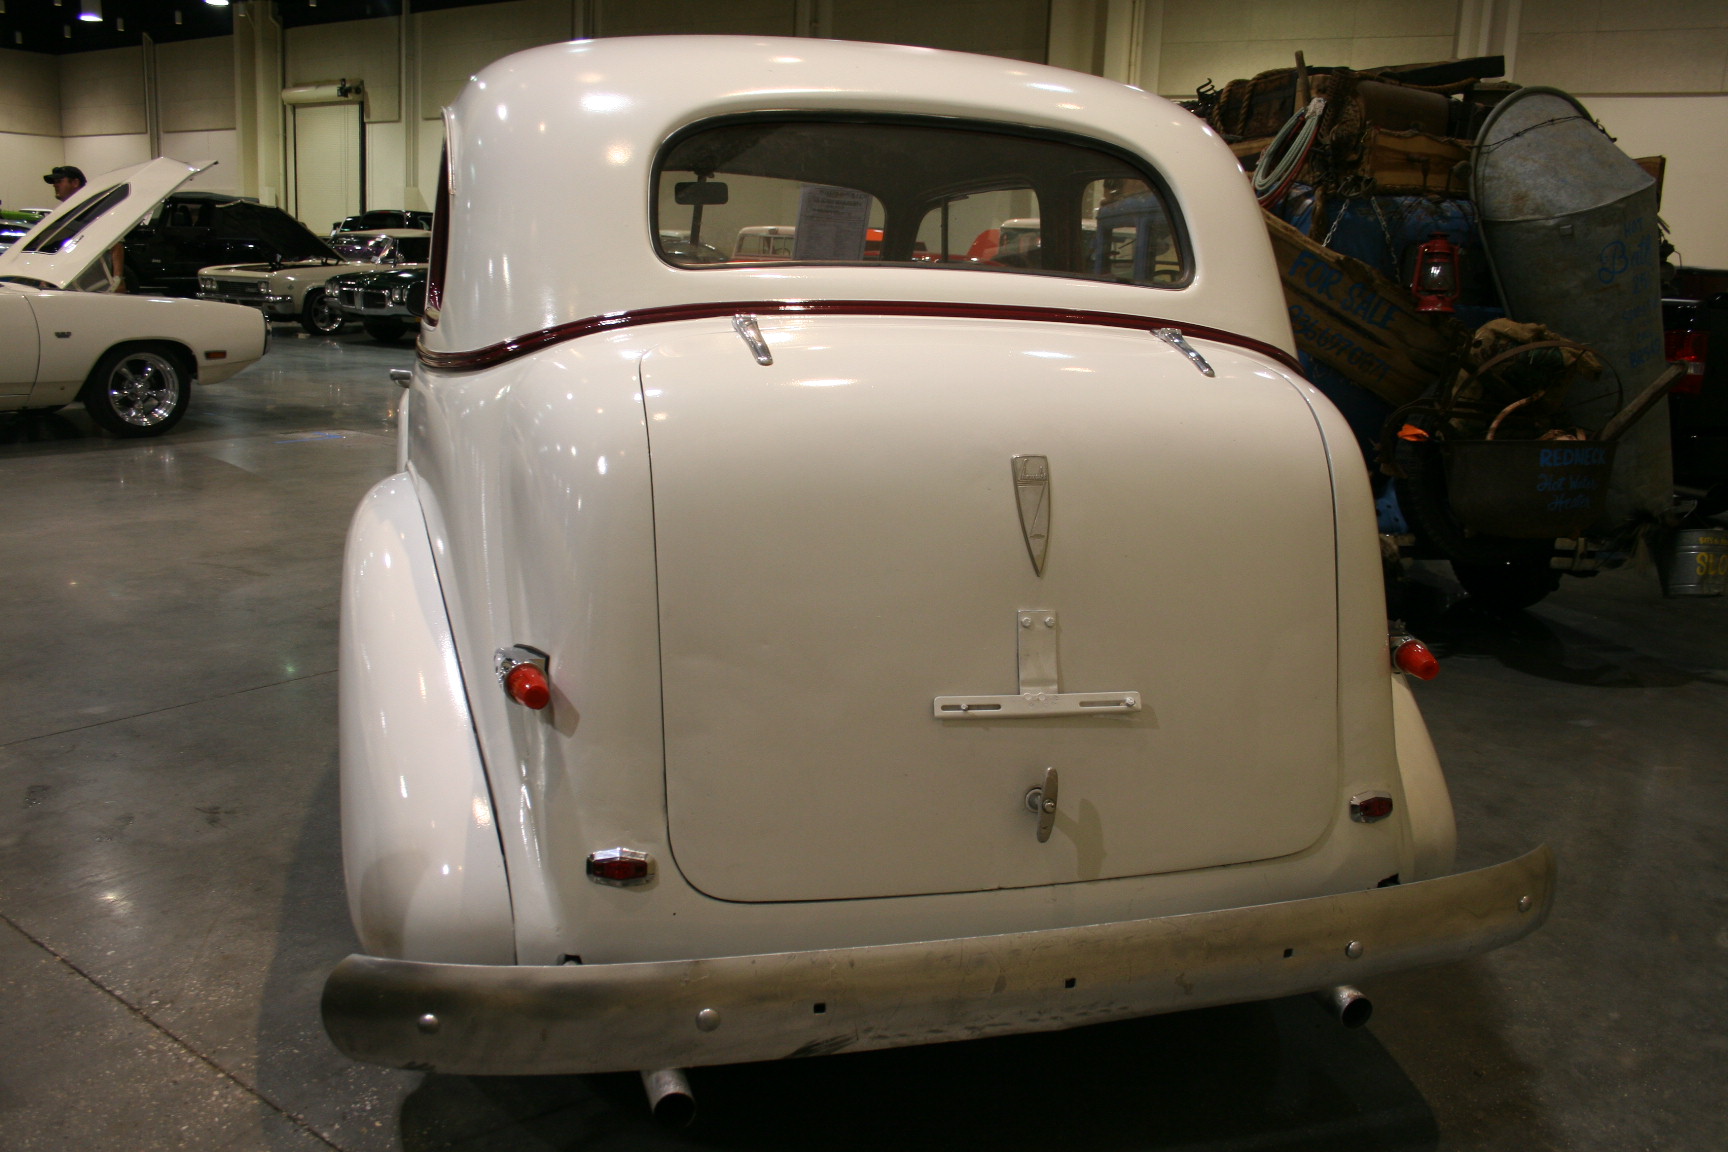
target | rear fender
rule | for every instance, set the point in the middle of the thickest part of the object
(1428, 803)
(420, 847)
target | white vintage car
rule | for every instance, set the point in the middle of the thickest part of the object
(765, 659)
(68, 334)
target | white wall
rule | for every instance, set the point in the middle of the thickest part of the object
(221, 148)
(385, 180)
(1691, 131)
(29, 127)
(1219, 40)
(24, 160)
(99, 154)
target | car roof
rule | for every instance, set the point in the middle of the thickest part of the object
(552, 153)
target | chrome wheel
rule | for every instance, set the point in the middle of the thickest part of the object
(143, 389)
(138, 392)
(321, 315)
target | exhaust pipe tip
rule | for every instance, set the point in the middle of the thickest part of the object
(669, 1097)
(1346, 1003)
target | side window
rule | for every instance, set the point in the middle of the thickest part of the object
(1130, 232)
(998, 228)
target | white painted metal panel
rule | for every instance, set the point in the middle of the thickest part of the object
(839, 543)
(420, 848)
(17, 343)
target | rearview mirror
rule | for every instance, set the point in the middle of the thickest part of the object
(694, 192)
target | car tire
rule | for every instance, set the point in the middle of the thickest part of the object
(320, 315)
(385, 329)
(138, 391)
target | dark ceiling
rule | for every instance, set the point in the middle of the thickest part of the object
(54, 26)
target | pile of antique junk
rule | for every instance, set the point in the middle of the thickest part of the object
(1473, 270)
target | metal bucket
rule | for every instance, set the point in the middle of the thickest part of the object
(1694, 562)
(1527, 489)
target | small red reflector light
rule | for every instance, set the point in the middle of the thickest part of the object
(216, 354)
(1413, 657)
(527, 686)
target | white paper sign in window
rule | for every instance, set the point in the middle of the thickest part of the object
(832, 223)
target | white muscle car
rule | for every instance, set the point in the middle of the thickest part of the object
(882, 645)
(68, 334)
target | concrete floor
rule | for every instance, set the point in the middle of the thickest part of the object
(171, 891)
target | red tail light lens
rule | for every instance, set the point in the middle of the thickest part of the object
(1413, 657)
(1370, 806)
(620, 866)
(1690, 349)
(527, 686)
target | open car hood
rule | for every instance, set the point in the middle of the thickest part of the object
(66, 242)
(291, 239)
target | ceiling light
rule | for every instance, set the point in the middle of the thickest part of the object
(217, 3)
(90, 11)
(119, 23)
(178, 19)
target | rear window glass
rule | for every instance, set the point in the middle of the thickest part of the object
(912, 193)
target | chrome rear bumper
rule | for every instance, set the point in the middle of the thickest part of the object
(483, 1020)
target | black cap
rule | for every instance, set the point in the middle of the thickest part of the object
(64, 172)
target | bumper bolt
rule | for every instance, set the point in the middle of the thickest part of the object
(1525, 903)
(707, 1020)
(1353, 949)
(427, 1024)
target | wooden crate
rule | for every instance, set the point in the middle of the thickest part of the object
(1351, 318)
(1412, 162)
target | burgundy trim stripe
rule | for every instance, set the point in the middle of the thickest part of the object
(494, 354)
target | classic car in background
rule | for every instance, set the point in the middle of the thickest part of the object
(382, 218)
(14, 222)
(299, 290)
(388, 302)
(68, 334)
(919, 691)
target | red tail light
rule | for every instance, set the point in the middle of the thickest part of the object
(1690, 349)
(1413, 657)
(527, 686)
(1370, 806)
(620, 866)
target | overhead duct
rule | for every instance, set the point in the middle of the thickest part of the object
(330, 92)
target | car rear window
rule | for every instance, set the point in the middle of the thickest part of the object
(911, 192)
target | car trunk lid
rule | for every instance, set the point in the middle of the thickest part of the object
(840, 542)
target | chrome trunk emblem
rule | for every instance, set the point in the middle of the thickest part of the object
(1032, 491)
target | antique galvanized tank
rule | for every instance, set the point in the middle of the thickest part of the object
(1570, 226)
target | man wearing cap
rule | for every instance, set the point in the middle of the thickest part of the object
(66, 180)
